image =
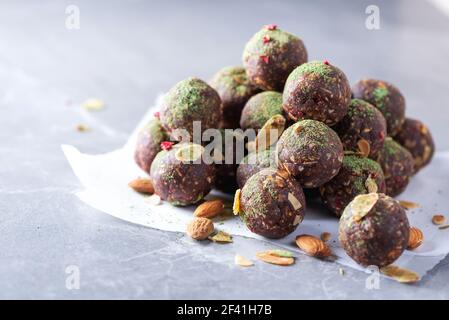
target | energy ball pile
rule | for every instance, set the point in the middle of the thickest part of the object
(355, 148)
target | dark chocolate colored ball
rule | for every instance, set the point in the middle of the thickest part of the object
(311, 152)
(253, 163)
(416, 138)
(270, 55)
(385, 97)
(149, 144)
(260, 108)
(272, 203)
(190, 100)
(317, 90)
(234, 89)
(374, 230)
(357, 176)
(181, 176)
(397, 164)
(363, 121)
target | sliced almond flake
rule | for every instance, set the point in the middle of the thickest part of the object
(281, 253)
(189, 152)
(298, 220)
(400, 274)
(269, 258)
(444, 227)
(93, 104)
(270, 132)
(236, 205)
(371, 185)
(221, 237)
(408, 204)
(154, 200)
(438, 219)
(362, 205)
(364, 147)
(242, 261)
(294, 201)
(325, 236)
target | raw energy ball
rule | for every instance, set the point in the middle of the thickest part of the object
(227, 168)
(253, 163)
(270, 55)
(260, 108)
(357, 176)
(180, 176)
(190, 100)
(363, 121)
(416, 138)
(149, 144)
(272, 203)
(317, 90)
(374, 230)
(385, 97)
(397, 164)
(311, 152)
(234, 89)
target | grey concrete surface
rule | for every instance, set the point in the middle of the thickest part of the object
(125, 53)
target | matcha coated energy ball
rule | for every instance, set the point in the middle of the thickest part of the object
(272, 203)
(190, 100)
(270, 55)
(317, 90)
(357, 176)
(385, 97)
(253, 163)
(374, 230)
(363, 121)
(180, 176)
(397, 164)
(260, 108)
(234, 89)
(311, 152)
(416, 138)
(149, 144)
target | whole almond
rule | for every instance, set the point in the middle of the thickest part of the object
(200, 228)
(415, 239)
(209, 209)
(142, 185)
(313, 246)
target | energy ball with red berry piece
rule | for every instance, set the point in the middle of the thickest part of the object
(234, 89)
(253, 163)
(311, 151)
(385, 97)
(149, 142)
(260, 108)
(190, 100)
(416, 138)
(181, 176)
(317, 90)
(357, 176)
(270, 55)
(272, 203)
(397, 164)
(362, 122)
(374, 230)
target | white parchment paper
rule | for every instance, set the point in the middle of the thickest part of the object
(105, 178)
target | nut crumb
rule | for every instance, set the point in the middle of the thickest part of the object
(438, 219)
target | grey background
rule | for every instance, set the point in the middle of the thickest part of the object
(126, 53)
